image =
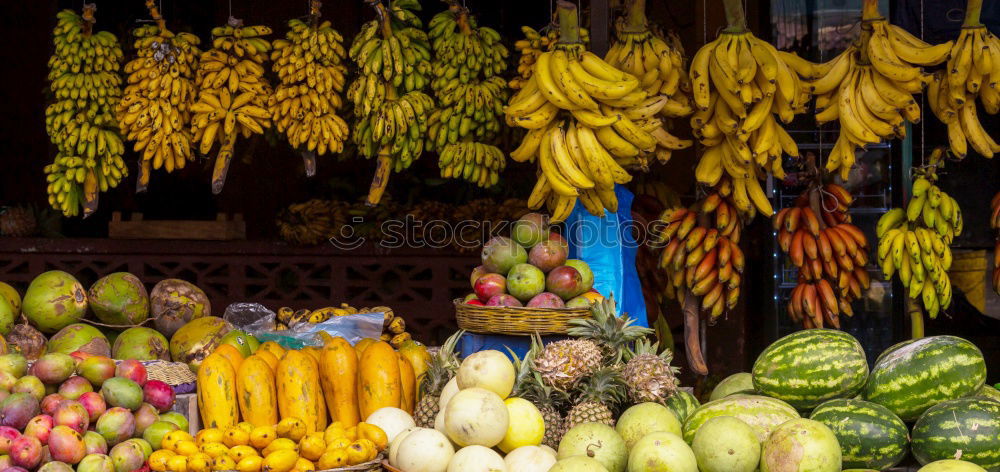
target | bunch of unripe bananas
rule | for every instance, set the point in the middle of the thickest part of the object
(914, 243)
(392, 54)
(702, 256)
(470, 94)
(533, 45)
(84, 80)
(311, 222)
(829, 252)
(973, 71)
(155, 111)
(995, 224)
(233, 93)
(309, 64)
(740, 83)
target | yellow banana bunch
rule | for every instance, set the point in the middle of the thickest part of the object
(233, 93)
(309, 63)
(740, 83)
(155, 111)
(83, 77)
(392, 54)
(470, 94)
(914, 243)
(534, 44)
(973, 71)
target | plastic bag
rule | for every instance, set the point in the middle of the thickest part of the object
(607, 245)
(259, 321)
(250, 317)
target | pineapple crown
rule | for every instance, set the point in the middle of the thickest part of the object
(643, 347)
(612, 332)
(442, 366)
(605, 386)
(528, 383)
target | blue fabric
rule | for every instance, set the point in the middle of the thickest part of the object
(471, 343)
(606, 243)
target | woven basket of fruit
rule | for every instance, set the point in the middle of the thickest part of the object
(370, 466)
(515, 320)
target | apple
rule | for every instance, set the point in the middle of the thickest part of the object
(546, 300)
(491, 285)
(524, 281)
(531, 229)
(585, 272)
(564, 281)
(501, 253)
(503, 300)
(547, 255)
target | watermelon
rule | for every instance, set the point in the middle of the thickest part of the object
(989, 391)
(682, 404)
(915, 375)
(811, 366)
(870, 435)
(763, 414)
(967, 429)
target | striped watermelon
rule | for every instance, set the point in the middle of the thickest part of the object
(915, 375)
(682, 404)
(870, 435)
(811, 366)
(989, 391)
(966, 429)
(763, 414)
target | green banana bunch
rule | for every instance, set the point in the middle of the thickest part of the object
(84, 80)
(913, 243)
(471, 97)
(310, 65)
(155, 111)
(392, 53)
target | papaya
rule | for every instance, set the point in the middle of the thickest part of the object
(273, 348)
(257, 392)
(378, 379)
(217, 400)
(233, 355)
(362, 345)
(266, 356)
(299, 392)
(313, 352)
(418, 357)
(338, 369)
(408, 385)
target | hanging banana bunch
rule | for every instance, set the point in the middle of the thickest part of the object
(392, 54)
(739, 84)
(914, 243)
(468, 61)
(973, 71)
(869, 87)
(233, 93)
(155, 111)
(533, 45)
(995, 224)
(830, 253)
(84, 80)
(309, 63)
(659, 68)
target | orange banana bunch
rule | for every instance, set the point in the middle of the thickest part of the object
(702, 256)
(830, 253)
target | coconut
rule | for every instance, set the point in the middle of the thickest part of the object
(174, 302)
(144, 344)
(27, 340)
(7, 315)
(54, 300)
(196, 340)
(10, 294)
(79, 337)
(119, 299)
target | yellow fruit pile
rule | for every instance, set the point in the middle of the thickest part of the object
(233, 93)
(155, 111)
(84, 79)
(284, 447)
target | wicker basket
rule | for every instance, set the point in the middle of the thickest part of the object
(520, 321)
(386, 466)
(374, 465)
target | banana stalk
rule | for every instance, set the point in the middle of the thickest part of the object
(916, 318)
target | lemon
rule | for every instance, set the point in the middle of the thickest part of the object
(526, 426)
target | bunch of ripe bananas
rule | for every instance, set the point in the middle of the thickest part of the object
(233, 93)
(914, 243)
(392, 54)
(995, 224)
(84, 80)
(658, 66)
(468, 60)
(533, 45)
(309, 64)
(702, 256)
(311, 222)
(829, 252)
(869, 87)
(155, 110)
(973, 71)
(393, 327)
(739, 83)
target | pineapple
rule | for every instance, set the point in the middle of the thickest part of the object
(597, 399)
(648, 376)
(612, 333)
(563, 363)
(530, 386)
(440, 370)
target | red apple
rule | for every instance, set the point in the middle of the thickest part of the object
(491, 285)
(564, 281)
(546, 300)
(503, 300)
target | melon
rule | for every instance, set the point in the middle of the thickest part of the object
(598, 441)
(54, 300)
(811, 366)
(639, 420)
(967, 429)
(174, 302)
(196, 340)
(79, 337)
(662, 452)
(741, 382)
(801, 445)
(870, 435)
(951, 465)
(763, 414)
(726, 444)
(682, 404)
(119, 299)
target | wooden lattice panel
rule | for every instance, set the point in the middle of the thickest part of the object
(418, 284)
